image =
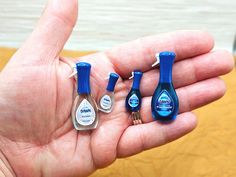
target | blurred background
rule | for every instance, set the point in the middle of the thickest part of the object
(104, 23)
(210, 150)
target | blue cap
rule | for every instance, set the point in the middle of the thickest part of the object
(167, 55)
(137, 78)
(166, 63)
(83, 73)
(112, 81)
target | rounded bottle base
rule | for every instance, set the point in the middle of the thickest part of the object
(164, 119)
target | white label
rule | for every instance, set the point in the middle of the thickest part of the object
(133, 101)
(85, 114)
(105, 102)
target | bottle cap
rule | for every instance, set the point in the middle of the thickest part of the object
(167, 55)
(137, 78)
(83, 74)
(112, 81)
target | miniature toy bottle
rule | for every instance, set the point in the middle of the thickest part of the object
(84, 111)
(107, 101)
(165, 102)
(134, 99)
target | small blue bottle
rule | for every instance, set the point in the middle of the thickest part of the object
(165, 104)
(134, 98)
(107, 101)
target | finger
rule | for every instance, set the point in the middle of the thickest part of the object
(140, 54)
(189, 71)
(190, 97)
(141, 137)
(104, 146)
(51, 32)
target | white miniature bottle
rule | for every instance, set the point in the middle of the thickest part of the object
(107, 101)
(85, 110)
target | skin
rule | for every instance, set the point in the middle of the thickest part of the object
(37, 137)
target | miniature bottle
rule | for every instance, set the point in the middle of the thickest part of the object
(134, 99)
(107, 100)
(84, 111)
(165, 102)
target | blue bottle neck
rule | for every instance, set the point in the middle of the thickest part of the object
(136, 79)
(112, 82)
(166, 65)
(83, 75)
(136, 83)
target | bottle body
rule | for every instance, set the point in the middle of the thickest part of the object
(85, 112)
(106, 102)
(165, 103)
(133, 100)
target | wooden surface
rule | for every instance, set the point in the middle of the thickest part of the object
(105, 23)
(209, 151)
(6, 54)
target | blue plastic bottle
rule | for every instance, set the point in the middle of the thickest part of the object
(133, 99)
(165, 104)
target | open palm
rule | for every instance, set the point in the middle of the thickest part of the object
(36, 134)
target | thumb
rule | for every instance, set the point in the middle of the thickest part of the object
(51, 32)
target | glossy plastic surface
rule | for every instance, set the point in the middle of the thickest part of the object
(83, 77)
(165, 104)
(106, 102)
(137, 79)
(112, 82)
(134, 99)
(85, 111)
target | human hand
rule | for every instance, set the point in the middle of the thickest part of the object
(36, 134)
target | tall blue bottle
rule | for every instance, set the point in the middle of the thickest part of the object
(165, 104)
(134, 98)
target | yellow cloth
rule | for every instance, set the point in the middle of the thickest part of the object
(209, 151)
